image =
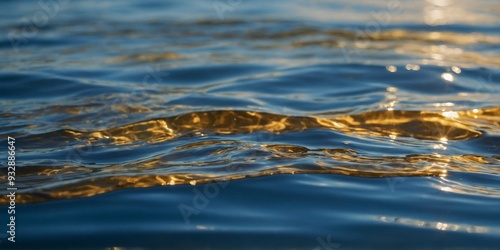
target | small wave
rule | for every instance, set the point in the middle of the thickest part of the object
(214, 157)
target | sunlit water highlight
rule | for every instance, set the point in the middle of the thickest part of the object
(305, 124)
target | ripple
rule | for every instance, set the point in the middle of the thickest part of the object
(213, 159)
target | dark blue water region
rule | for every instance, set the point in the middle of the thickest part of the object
(283, 211)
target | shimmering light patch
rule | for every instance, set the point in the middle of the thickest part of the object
(389, 106)
(447, 76)
(446, 189)
(436, 56)
(475, 112)
(444, 104)
(443, 140)
(440, 146)
(412, 67)
(392, 89)
(391, 68)
(441, 226)
(456, 69)
(162, 181)
(450, 114)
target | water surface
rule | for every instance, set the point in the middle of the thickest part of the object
(252, 124)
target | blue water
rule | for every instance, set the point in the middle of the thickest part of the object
(251, 124)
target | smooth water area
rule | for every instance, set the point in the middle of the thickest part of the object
(251, 124)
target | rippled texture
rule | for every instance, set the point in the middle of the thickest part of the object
(305, 124)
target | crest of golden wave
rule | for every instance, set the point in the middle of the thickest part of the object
(462, 125)
(36, 183)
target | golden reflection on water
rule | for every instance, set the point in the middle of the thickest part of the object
(441, 127)
(346, 162)
(93, 186)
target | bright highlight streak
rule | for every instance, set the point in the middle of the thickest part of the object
(450, 114)
(447, 76)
